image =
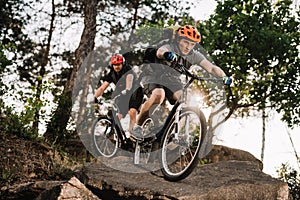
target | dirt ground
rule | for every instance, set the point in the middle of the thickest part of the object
(23, 160)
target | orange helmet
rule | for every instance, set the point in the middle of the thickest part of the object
(189, 32)
(117, 59)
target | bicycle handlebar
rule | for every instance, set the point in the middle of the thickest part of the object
(182, 69)
(117, 96)
(109, 101)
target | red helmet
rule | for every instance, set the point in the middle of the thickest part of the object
(117, 59)
(189, 32)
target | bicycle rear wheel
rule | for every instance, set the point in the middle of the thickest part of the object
(105, 137)
(180, 144)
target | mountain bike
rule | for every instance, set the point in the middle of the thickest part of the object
(179, 138)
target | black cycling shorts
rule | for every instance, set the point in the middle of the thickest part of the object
(125, 103)
(148, 88)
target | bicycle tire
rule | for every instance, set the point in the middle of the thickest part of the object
(179, 157)
(105, 137)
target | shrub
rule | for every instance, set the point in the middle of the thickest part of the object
(292, 178)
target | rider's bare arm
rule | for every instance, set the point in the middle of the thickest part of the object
(160, 52)
(212, 69)
(205, 64)
(101, 89)
(129, 81)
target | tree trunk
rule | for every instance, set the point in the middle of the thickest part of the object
(263, 134)
(57, 127)
(42, 71)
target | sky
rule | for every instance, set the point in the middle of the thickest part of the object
(246, 133)
(203, 9)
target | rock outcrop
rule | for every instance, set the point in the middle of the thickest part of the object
(230, 180)
(221, 153)
(226, 179)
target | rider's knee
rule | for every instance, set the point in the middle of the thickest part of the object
(158, 99)
(158, 96)
(132, 112)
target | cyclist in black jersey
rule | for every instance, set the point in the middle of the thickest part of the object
(159, 82)
(131, 96)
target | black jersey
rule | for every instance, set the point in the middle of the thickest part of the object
(119, 79)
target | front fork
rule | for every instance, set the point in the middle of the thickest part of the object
(185, 123)
(176, 121)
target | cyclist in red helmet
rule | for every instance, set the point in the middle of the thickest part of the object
(158, 83)
(121, 74)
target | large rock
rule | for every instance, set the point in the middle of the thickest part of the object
(72, 189)
(230, 180)
(221, 153)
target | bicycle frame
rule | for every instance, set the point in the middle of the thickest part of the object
(180, 103)
(116, 121)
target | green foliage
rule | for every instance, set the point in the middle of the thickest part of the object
(11, 21)
(204, 161)
(30, 58)
(164, 11)
(10, 121)
(5, 174)
(18, 124)
(59, 120)
(258, 43)
(4, 61)
(21, 124)
(292, 178)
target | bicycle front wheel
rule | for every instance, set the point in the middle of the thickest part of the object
(180, 144)
(105, 137)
